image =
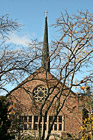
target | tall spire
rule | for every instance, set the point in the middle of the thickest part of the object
(45, 50)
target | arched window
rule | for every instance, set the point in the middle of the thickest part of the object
(84, 113)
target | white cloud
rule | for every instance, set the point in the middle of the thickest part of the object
(18, 40)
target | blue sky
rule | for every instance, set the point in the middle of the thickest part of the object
(30, 13)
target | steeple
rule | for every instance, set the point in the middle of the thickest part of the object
(45, 50)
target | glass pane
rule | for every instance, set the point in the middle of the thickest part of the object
(60, 126)
(50, 126)
(29, 126)
(85, 113)
(21, 118)
(41, 94)
(30, 118)
(35, 118)
(45, 126)
(25, 126)
(35, 126)
(25, 118)
(56, 119)
(41, 119)
(55, 126)
(45, 118)
(41, 126)
(50, 118)
(60, 118)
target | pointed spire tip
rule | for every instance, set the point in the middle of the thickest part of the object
(46, 14)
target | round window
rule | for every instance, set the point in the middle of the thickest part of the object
(40, 93)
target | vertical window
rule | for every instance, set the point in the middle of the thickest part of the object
(60, 118)
(41, 119)
(30, 118)
(21, 118)
(50, 126)
(25, 126)
(29, 126)
(41, 126)
(55, 126)
(45, 126)
(60, 126)
(35, 126)
(46, 119)
(84, 113)
(35, 118)
(56, 119)
(25, 118)
(50, 118)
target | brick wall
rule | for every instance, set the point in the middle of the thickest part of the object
(22, 96)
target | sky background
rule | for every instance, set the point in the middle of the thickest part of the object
(30, 13)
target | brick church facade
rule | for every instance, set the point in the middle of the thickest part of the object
(30, 95)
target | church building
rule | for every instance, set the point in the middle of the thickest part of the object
(42, 105)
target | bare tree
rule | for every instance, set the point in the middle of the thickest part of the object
(70, 54)
(15, 61)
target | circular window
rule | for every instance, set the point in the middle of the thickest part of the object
(40, 93)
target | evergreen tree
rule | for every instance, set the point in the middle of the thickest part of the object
(4, 120)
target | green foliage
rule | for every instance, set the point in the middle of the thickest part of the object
(30, 138)
(4, 121)
(55, 137)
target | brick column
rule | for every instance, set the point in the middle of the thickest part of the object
(53, 127)
(42, 123)
(47, 122)
(32, 122)
(57, 124)
(63, 123)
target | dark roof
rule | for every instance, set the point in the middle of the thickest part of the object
(45, 51)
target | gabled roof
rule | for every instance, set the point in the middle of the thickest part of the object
(52, 80)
